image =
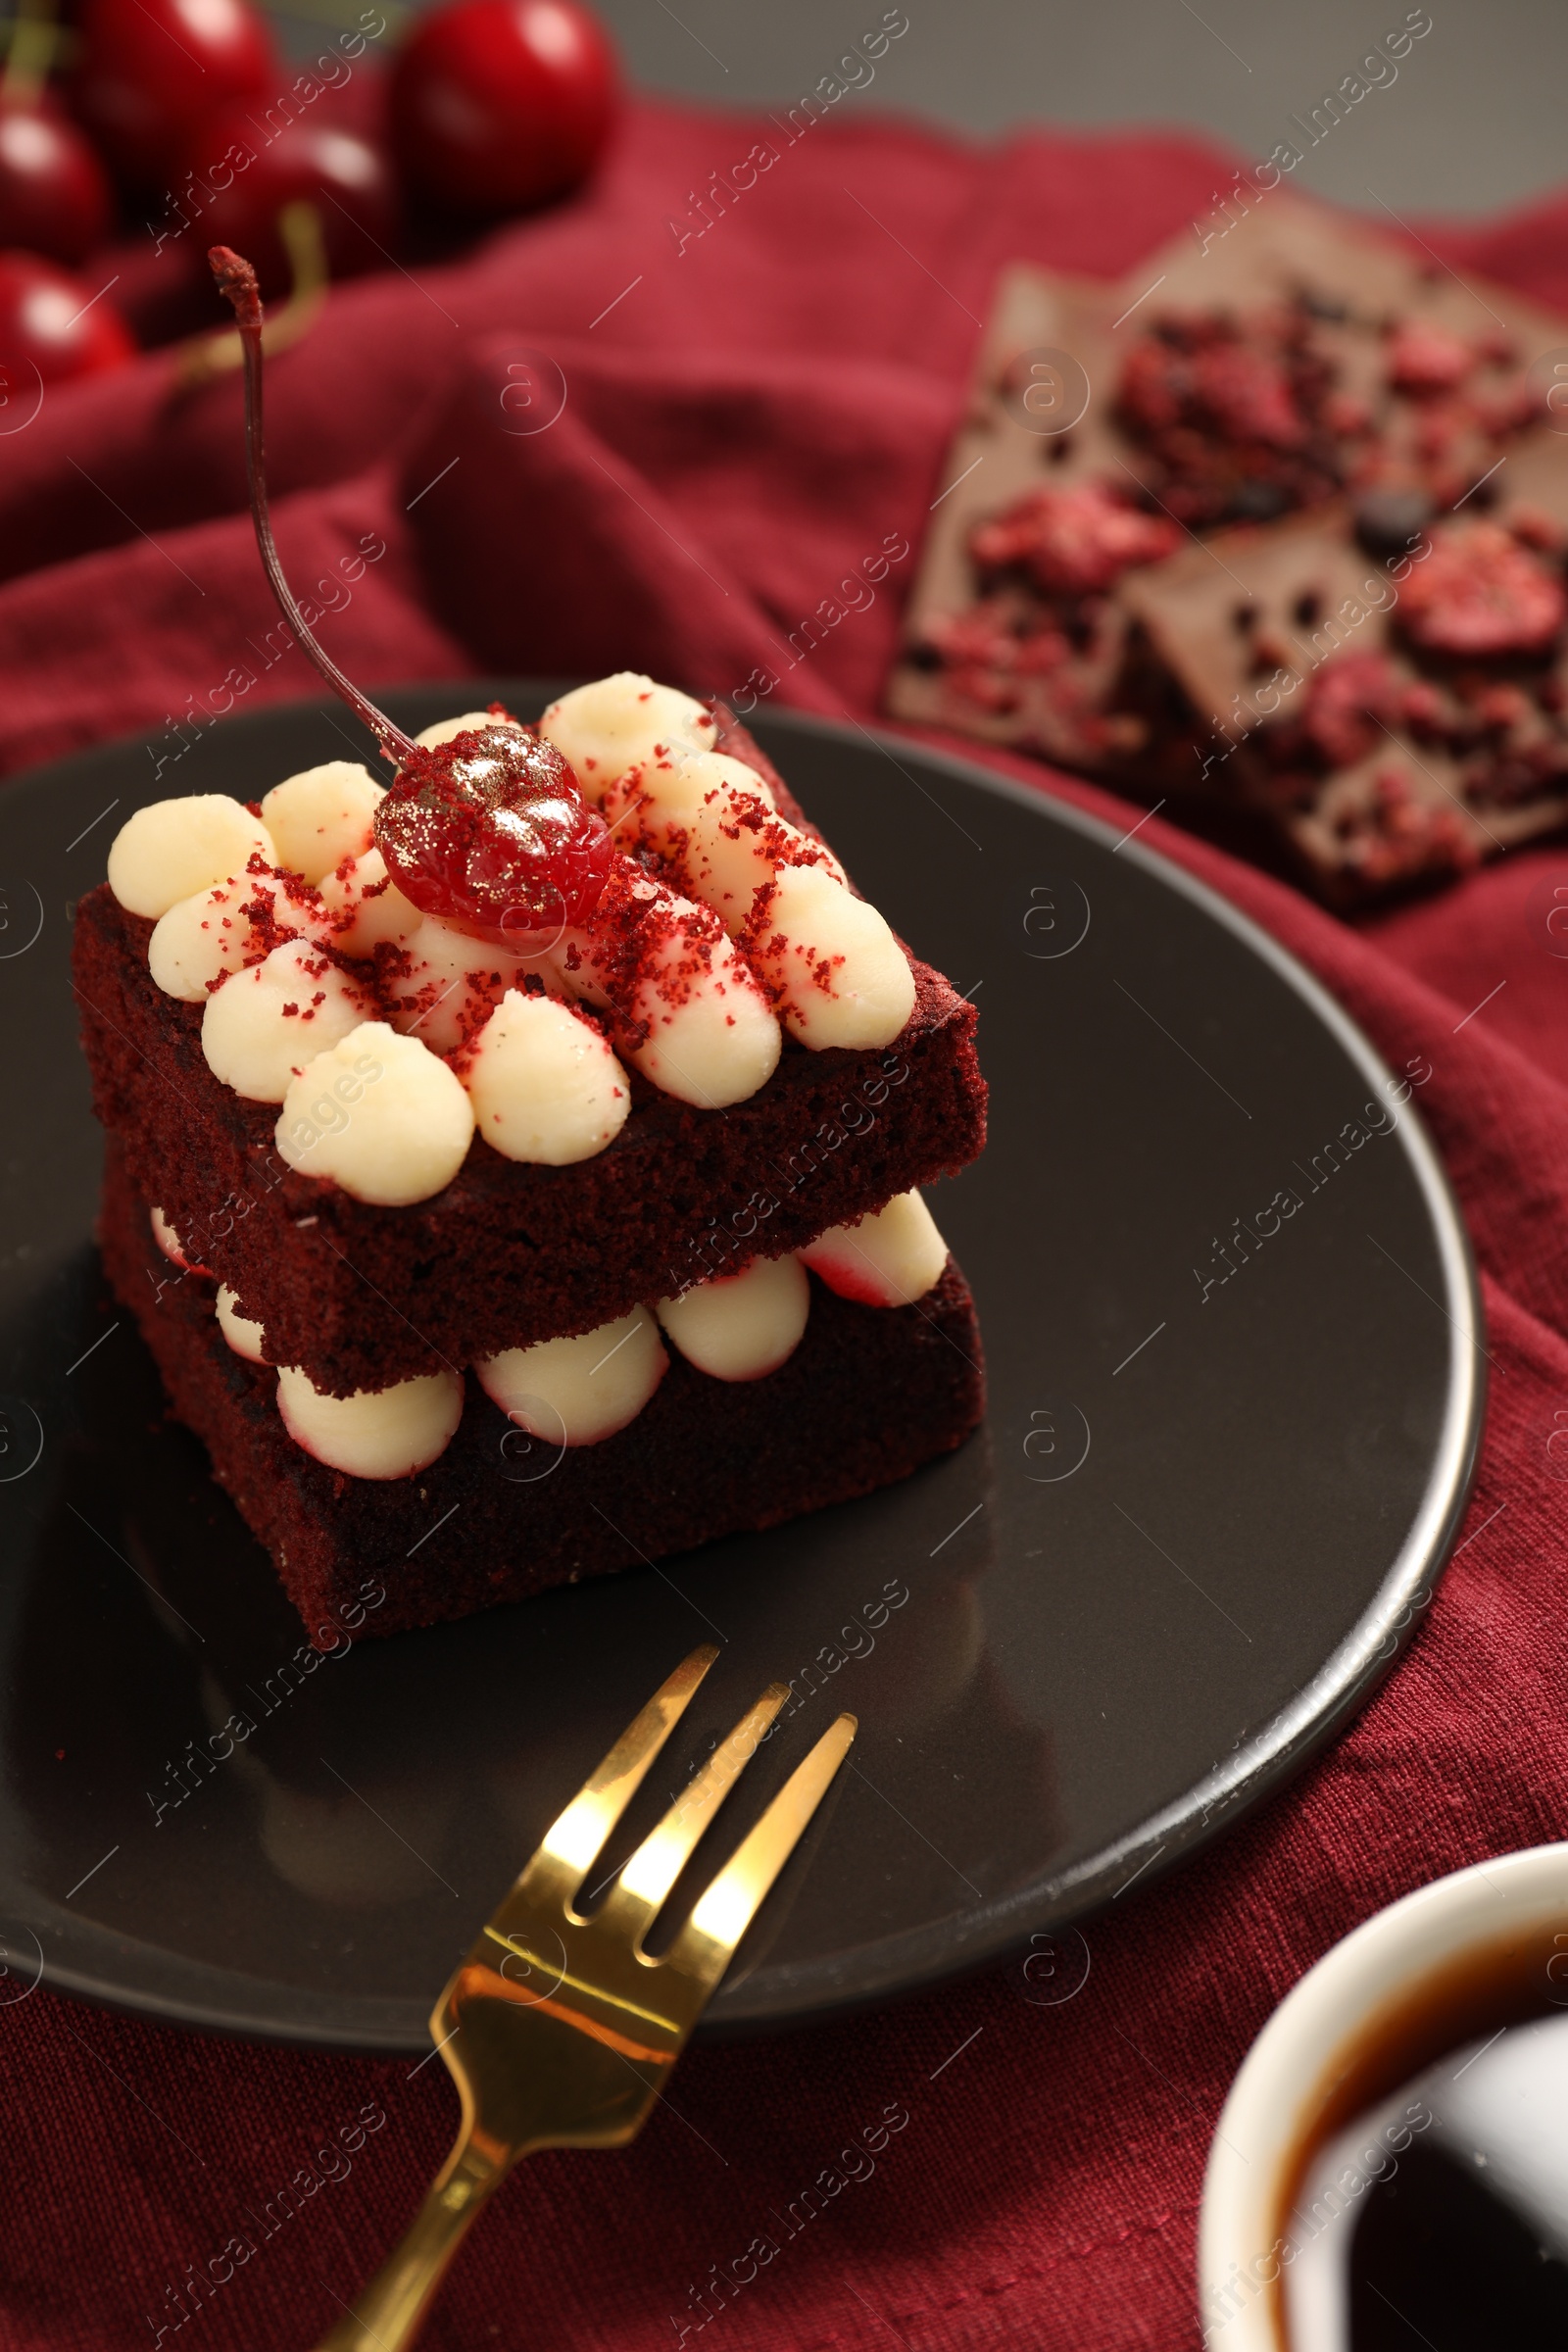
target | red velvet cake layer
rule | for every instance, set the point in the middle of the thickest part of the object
(870, 1394)
(508, 1253)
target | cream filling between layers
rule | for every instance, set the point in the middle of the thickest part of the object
(381, 1433)
(581, 1390)
(242, 1334)
(741, 1326)
(578, 1390)
(888, 1259)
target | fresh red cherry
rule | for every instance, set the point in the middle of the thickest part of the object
(490, 831)
(53, 192)
(51, 322)
(348, 180)
(148, 69)
(497, 104)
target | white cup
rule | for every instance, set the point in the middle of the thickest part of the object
(1319, 2033)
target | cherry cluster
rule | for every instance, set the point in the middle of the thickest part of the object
(145, 118)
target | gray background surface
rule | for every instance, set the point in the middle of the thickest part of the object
(1477, 117)
(1475, 120)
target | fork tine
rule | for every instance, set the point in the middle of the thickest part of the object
(730, 1905)
(652, 1870)
(574, 1837)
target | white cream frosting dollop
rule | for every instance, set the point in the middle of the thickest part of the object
(838, 977)
(267, 1021)
(579, 1391)
(381, 1433)
(210, 933)
(323, 816)
(889, 1260)
(717, 1041)
(544, 1084)
(741, 1326)
(711, 1036)
(734, 844)
(667, 792)
(619, 723)
(242, 1334)
(200, 937)
(172, 849)
(842, 977)
(380, 1114)
(363, 905)
(451, 980)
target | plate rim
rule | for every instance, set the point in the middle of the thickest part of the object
(916, 1959)
(1364, 1658)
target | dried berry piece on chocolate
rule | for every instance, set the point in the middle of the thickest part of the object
(1480, 593)
(1425, 357)
(1073, 542)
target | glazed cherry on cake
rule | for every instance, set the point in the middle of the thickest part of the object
(490, 831)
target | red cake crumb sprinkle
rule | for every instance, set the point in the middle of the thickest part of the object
(1481, 593)
(299, 892)
(646, 943)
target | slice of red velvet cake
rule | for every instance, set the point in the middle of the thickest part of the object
(535, 1140)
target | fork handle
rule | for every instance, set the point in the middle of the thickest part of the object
(388, 2312)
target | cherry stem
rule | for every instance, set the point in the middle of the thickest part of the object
(237, 282)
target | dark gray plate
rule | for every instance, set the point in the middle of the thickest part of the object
(1222, 1469)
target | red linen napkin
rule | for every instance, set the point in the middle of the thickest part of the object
(750, 415)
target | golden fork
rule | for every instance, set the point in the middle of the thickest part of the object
(559, 2029)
